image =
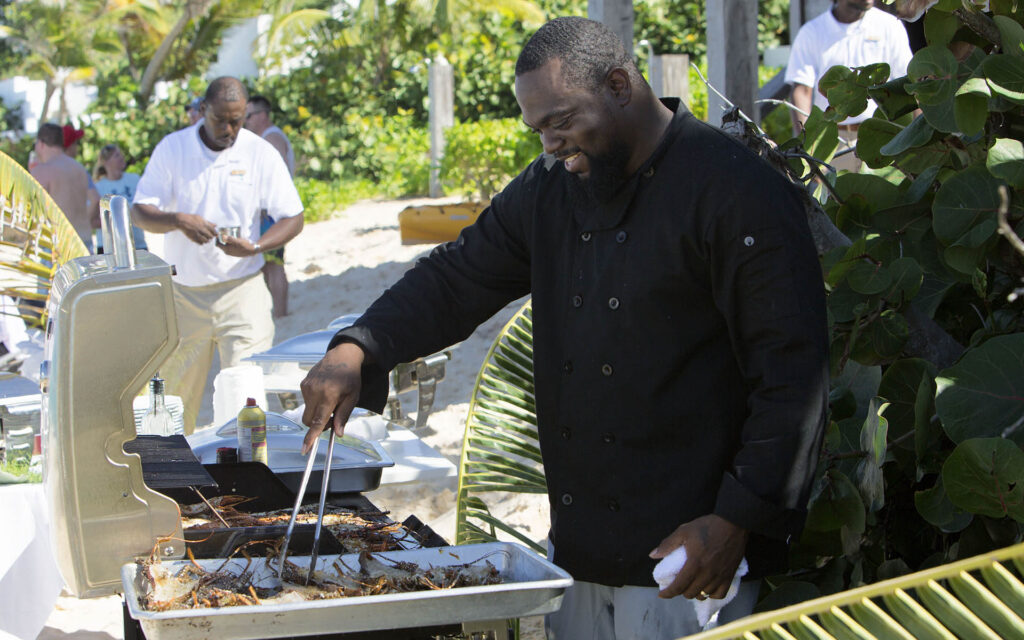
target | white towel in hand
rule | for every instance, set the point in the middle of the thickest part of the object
(707, 610)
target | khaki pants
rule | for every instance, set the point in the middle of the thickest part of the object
(232, 316)
(848, 161)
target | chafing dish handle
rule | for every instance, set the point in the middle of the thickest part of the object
(117, 231)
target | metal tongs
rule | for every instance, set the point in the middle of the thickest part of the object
(320, 509)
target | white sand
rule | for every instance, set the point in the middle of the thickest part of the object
(336, 268)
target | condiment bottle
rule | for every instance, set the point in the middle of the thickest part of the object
(252, 433)
(157, 421)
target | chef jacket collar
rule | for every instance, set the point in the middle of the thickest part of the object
(608, 215)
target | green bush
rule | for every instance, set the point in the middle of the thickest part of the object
(922, 461)
(481, 157)
(322, 198)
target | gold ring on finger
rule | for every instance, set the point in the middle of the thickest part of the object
(704, 595)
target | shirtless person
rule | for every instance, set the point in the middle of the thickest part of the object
(65, 180)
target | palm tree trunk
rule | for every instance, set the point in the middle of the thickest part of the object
(193, 9)
(46, 100)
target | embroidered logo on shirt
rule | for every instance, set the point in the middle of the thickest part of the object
(238, 172)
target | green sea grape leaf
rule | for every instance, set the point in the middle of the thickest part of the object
(916, 134)
(982, 395)
(1006, 161)
(986, 476)
(1012, 34)
(935, 507)
(1005, 74)
(933, 75)
(964, 200)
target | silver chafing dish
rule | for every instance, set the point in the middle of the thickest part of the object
(285, 365)
(111, 324)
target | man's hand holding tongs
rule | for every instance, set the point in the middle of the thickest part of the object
(331, 390)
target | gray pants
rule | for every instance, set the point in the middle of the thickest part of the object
(595, 612)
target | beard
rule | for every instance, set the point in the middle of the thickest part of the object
(606, 177)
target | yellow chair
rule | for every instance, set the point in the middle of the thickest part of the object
(434, 224)
(980, 598)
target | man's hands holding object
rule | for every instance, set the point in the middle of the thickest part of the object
(714, 548)
(331, 390)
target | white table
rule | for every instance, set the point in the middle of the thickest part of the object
(29, 579)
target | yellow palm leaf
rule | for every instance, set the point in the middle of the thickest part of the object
(35, 238)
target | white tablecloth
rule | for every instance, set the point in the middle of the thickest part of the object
(29, 579)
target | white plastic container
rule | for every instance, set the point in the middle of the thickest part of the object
(232, 386)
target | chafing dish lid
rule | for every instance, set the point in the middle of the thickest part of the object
(284, 442)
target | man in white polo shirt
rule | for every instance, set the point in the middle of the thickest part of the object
(211, 175)
(852, 34)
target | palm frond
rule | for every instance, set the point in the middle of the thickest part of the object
(35, 238)
(500, 449)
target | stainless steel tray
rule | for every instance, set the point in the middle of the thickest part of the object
(531, 586)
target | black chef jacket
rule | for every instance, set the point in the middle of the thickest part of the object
(680, 346)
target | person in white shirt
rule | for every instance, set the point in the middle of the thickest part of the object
(258, 120)
(112, 180)
(853, 34)
(199, 180)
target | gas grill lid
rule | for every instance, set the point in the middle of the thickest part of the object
(110, 327)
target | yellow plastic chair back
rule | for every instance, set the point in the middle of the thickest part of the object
(980, 598)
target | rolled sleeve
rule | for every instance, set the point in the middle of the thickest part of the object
(769, 288)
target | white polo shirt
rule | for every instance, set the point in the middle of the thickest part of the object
(824, 42)
(226, 187)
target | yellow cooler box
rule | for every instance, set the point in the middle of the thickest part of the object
(435, 224)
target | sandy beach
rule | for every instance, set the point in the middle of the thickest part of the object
(339, 267)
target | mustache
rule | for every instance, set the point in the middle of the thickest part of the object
(562, 155)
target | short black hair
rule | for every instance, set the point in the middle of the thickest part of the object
(588, 51)
(51, 135)
(261, 102)
(227, 89)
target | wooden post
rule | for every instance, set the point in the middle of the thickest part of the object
(670, 76)
(800, 11)
(441, 98)
(617, 15)
(732, 55)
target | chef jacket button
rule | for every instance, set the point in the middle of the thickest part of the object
(567, 366)
(649, 173)
(613, 303)
(609, 438)
(566, 433)
(585, 236)
(613, 505)
(577, 301)
(621, 236)
(606, 369)
(566, 499)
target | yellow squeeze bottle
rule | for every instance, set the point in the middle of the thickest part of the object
(252, 433)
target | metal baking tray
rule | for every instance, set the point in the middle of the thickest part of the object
(357, 465)
(531, 586)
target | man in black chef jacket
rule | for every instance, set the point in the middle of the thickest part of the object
(680, 346)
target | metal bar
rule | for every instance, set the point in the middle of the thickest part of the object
(323, 499)
(295, 509)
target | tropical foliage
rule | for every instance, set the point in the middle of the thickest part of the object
(35, 238)
(922, 462)
(500, 450)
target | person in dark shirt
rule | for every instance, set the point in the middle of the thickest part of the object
(680, 340)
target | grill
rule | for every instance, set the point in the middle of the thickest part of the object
(115, 497)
